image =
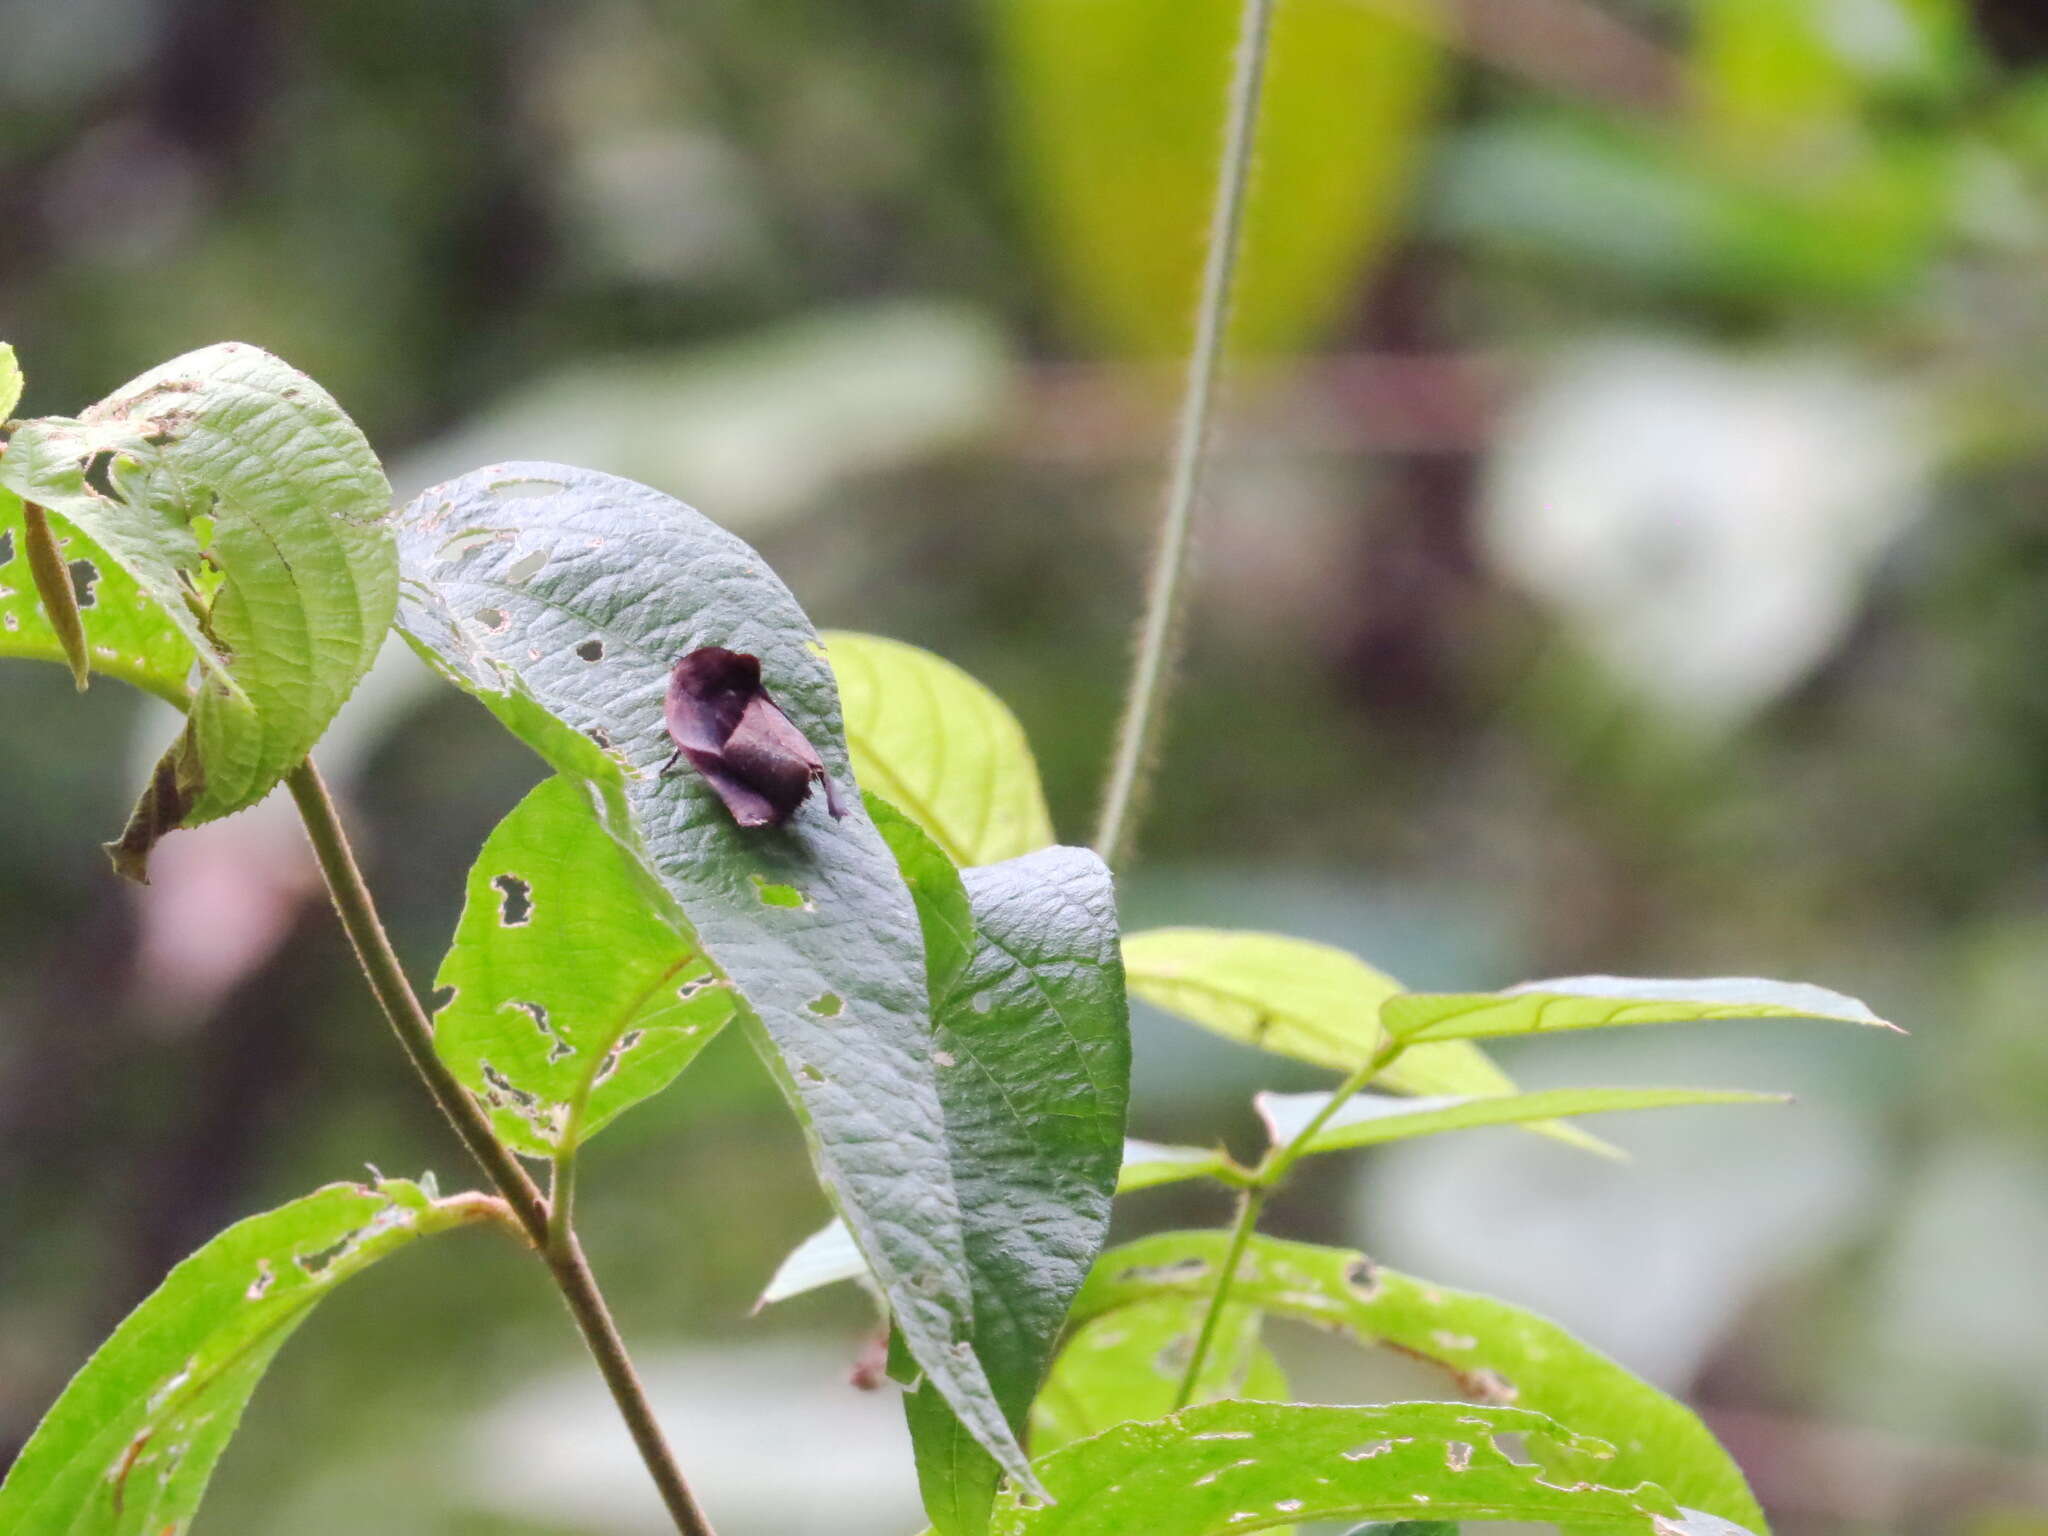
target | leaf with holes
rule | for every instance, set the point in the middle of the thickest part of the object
(129, 1447)
(1033, 1048)
(251, 517)
(574, 994)
(1128, 1365)
(1608, 1002)
(1367, 1120)
(941, 747)
(1235, 1466)
(561, 597)
(1310, 1001)
(1493, 1351)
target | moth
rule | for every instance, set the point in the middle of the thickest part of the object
(726, 726)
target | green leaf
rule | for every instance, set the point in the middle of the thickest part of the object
(1348, 91)
(574, 995)
(560, 597)
(1313, 1002)
(252, 518)
(941, 747)
(1368, 1119)
(1033, 1047)
(1148, 1164)
(129, 1447)
(943, 911)
(1605, 1002)
(10, 381)
(1128, 1366)
(1229, 1467)
(1495, 1352)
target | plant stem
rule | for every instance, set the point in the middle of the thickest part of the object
(1264, 1180)
(1159, 634)
(548, 1229)
(1249, 1205)
(562, 1200)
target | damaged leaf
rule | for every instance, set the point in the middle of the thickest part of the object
(510, 574)
(1605, 1002)
(574, 995)
(252, 518)
(727, 727)
(1492, 1352)
(59, 598)
(128, 1448)
(940, 747)
(1239, 1466)
(1128, 1365)
(1313, 1002)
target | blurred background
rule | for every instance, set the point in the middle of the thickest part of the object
(1629, 552)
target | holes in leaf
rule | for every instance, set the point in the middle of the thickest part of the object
(539, 1014)
(84, 577)
(99, 474)
(467, 542)
(617, 1053)
(265, 1277)
(319, 1259)
(526, 567)
(1373, 1448)
(515, 901)
(493, 619)
(6, 545)
(601, 736)
(827, 1005)
(773, 895)
(526, 488)
(10, 622)
(1363, 1277)
(591, 650)
(1457, 1455)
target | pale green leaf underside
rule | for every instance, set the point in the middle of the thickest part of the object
(574, 995)
(940, 747)
(129, 1447)
(1128, 1366)
(561, 597)
(1312, 1002)
(1369, 1119)
(233, 482)
(1603, 1002)
(1494, 1352)
(1148, 1164)
(1240, 1466)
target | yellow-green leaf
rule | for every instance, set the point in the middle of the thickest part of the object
(1607, 1002)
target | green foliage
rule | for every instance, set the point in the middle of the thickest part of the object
(574, 993)
(1494, 1352)
(129, 1447)
(10, 381)
(1348, 90)
(561, 597)
(1297, 998)
(1367, 1120)
(1034, 1072)
(1148, 1164)
(251, 518)
(1606, 1002)
(1128, 1364)
(1233, 1466)
(941, 747)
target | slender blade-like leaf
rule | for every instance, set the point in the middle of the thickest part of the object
(1313, 1002)
(129, 1447)
(1235, 1466)
(1368, 1119)
(1034, 1059)
(1128, 1366)
(1604, 1002)
(940, 747)
(574, 996)
(1496, 1353)
(10, 381)
(253, 519)
(561, 597)
(1148, 1164)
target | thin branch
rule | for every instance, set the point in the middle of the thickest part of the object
(1159, 637)
(555, 1239)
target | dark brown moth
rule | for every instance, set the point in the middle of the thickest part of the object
(726, 727)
